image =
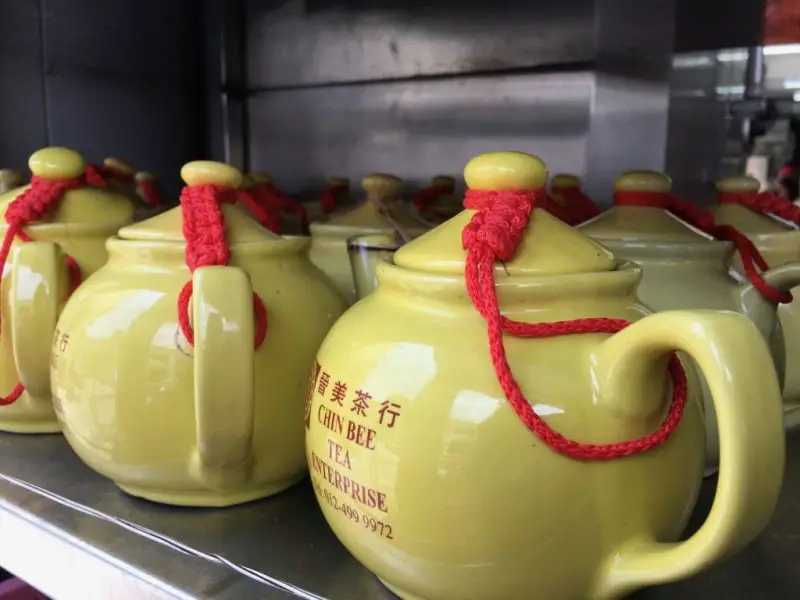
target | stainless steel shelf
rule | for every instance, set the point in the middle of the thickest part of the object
(75, 536)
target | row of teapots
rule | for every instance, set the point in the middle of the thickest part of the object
(174, 354)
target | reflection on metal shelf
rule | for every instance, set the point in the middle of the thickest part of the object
(85, 540)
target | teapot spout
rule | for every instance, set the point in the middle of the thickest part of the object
(783, 278)
(761, 310)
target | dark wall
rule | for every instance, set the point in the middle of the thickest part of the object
(107, 78)
(715, 24)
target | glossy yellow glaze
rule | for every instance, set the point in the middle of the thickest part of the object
(429, 478)
(120, 165)
(443, 207)
(212, 424)
(738, 183)
(366, 252)
(683, 268)
(35, 283)
(329, 239)
(643, 181)
(779, 244)
(563, 181)
(141, 210)
(343, 200)
(10, 179)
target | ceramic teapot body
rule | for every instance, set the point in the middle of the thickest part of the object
(212, 424)
(381, 213)
(683, 268)
(779, 244)
(36, 282)
(433, 482)
(121, 178)
(413, 447)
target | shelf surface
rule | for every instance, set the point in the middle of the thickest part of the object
(74, 535)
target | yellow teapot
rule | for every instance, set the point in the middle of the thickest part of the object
(186, 373)
(149, 191)
(54, 233)
(10, 179)
(683, 267)
(550, 458)
(741, 205)
(121, 178)
(334, 198)
(285, 215)
(566, 190)
(437, 202)
(381, 212)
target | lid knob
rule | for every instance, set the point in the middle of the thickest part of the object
(204, 172)
(565, 180)
(144, 176)
(10, 177)
(338, 182)
(738, 184)
(382, 185)
(259, 178)
(56, 163)
(443, 181)
(643, 181)
(505, 171)
(118, 165)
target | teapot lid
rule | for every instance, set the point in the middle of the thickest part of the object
(10, 177)
(641, 212)
(120, 168)
(168, 226)
(734, 197)
(73, 194)
(382, 193)
(547, 246)
(565, 181)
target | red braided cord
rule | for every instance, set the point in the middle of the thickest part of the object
(763, 202)
(150, 192)
(704, 220)
(271, 219)
(787, 170)
(494, 233)
(273, 200)
(206, 245)
(427, 196)
(328, 198)
(28, 207)
(555, 208)
(580, 207)
(106, 172)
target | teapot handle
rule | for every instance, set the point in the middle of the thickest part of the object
(735, 361)
(38, 284)
(224, 395)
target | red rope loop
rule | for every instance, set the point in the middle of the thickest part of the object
(273, 203)
(328, 198)
(206, 245)
(580, 207)
(494, 233)
(103, 173)
(271, 219)
(150, 192)
(764, 203)
(752, 260)
(426, 197)
(30, 206)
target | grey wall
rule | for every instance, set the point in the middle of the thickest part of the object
(345, 87)
(107, 78)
